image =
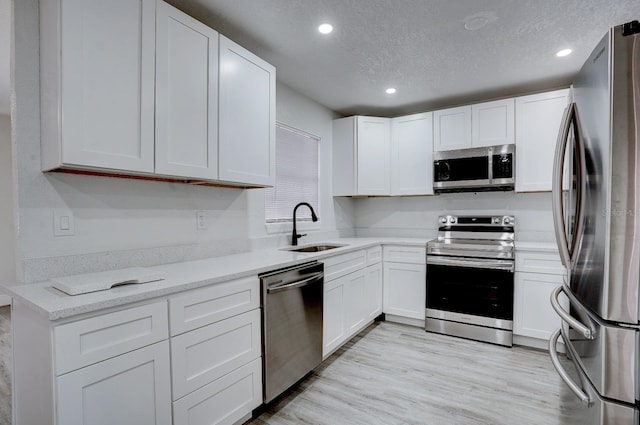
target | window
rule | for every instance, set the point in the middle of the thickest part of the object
(296, 176)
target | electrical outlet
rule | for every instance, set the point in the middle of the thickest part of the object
(201, 220)
(63, 223)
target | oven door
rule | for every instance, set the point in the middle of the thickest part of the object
(470, 286)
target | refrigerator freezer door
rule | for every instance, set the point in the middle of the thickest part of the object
(608, 356)
(596, 410)
(605, 275)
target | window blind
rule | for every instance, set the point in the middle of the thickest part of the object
(296, 176)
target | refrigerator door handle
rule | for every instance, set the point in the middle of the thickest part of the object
(556, 189)
(555, 360)
(564, 315)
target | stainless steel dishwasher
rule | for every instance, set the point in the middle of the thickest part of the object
(291, 325)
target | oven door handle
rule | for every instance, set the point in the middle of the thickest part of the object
(476, 263)
(566, 316)
(555, 360)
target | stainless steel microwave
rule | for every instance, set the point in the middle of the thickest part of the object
(474, 169)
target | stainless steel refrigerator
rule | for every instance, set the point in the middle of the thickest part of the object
(596, 204)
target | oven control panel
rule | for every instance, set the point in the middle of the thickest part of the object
(477, 221)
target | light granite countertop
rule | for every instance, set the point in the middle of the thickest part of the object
(56, 305)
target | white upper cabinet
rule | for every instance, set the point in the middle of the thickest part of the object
(186, 95)
(492, 123)
(538, 120)
(361, 156)
(412, 155)
(373, 156)
(97, 73)
(452, 128)
(247, 114)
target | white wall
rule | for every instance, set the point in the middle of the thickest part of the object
(120, 222)
(417, 216)
(7, 234)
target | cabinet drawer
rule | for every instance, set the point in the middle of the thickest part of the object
(405, 254)
(224, 401)
(89, 341)
(340, 265)
(539, 262)
(204, 355)
(374, 255)
(208, 305)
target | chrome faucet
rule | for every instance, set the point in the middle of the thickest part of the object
(295, 235)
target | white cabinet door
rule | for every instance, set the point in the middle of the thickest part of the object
(533, 315)
(373, 291)
(404, 289)
(247, 116)
(186, 95)
(412, 155)
(373, 156)
(452, 128)
(131, 389)
(97, 74)
(354, 302)
(493, 123)
(538, 119)
(333, 324)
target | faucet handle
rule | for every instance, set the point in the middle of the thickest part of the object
(301, 235)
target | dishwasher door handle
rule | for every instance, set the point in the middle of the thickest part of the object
(297, 284)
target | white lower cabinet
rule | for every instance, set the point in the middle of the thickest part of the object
(534, 316)
(224, 401)
(404, 281)
(405, 289)
(351, 301)
(538, 273)
(130, 389)
(373, 291)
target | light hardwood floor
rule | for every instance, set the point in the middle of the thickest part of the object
(398, 374)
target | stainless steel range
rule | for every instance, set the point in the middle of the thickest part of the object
(470, 270)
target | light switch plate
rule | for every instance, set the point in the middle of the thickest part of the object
(201, 220)
(63, 222)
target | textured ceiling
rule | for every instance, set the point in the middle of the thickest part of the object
(421, 47)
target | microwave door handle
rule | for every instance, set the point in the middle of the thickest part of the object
(556, 197)
(555, 360)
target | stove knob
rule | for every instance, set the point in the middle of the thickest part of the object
(443, 220)
(496, 220)
(507, 220)
(452, 220)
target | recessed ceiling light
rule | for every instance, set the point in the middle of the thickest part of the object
(325, 28)
(390, 90)
(563, 52)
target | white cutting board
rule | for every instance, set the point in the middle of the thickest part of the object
(102, 281)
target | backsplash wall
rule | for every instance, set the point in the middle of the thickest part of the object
(417, 216)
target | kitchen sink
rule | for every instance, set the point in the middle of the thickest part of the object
(315, 248)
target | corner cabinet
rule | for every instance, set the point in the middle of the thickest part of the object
(186, 96)
(146, 90)
(97, 71)
(361, 164)
(247, 107)
(538, 120)
(412, 155)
